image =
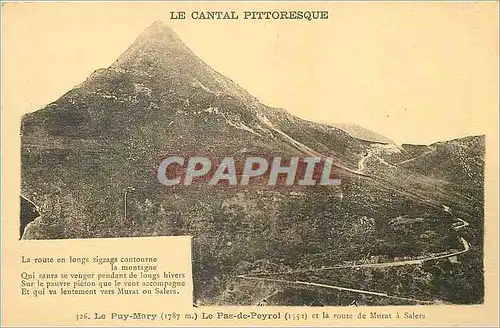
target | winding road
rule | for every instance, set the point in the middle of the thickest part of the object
(361, 163)
(359, 291)
(417, 261)
(374, 151)
(432, 149)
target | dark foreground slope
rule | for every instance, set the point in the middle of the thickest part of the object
(81, 153)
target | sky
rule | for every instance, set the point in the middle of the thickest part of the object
(414, 72)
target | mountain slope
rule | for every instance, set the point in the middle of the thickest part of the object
(362, 133)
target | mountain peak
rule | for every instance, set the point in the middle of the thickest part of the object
(159, 30)
(159, 52)
(157, 45)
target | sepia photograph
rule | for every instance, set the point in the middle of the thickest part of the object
(331, 161)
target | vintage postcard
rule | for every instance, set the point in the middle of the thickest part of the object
(250, 163)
